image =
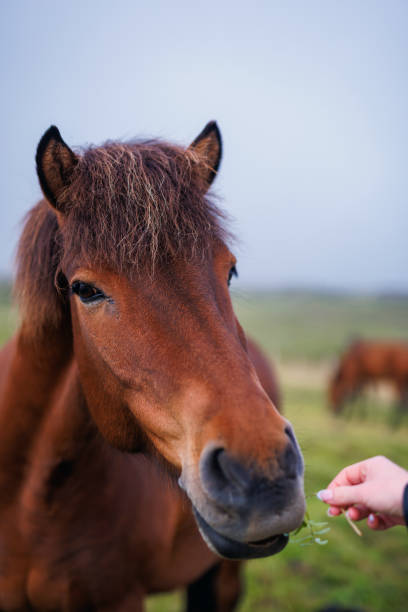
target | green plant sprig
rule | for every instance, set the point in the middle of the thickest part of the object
(315, 530)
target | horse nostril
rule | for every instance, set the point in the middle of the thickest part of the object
(238, 488)
(290, 434)
(234, 471)
(290, 461)
(221, 472)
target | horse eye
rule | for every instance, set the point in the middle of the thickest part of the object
(86, 293)
(232, 272)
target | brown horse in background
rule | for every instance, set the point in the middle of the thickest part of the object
(137, 444)
(366, 362)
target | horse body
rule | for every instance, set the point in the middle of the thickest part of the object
(137, 444)
(368, 362)
(74, 508)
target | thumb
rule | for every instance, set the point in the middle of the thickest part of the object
(343, 496)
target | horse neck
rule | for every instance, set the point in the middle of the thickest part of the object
(33, 370)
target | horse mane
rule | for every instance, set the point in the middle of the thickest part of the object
(38, 258)
(128, 206)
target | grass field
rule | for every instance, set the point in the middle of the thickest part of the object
(304, 333)
(311, 327)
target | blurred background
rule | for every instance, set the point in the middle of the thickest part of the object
(311, 99)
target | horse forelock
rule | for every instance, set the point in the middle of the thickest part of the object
(128, 206)
(137, 205)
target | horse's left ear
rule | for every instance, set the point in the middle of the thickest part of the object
(55, 163)
(208, 148)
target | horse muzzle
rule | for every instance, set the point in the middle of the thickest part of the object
(232, 549)
(242, 511)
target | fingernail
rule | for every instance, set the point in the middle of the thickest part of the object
(325, 495)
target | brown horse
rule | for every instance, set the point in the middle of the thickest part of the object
(366, 362)
(132, 419)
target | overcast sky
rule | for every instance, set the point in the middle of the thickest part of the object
(311, 98)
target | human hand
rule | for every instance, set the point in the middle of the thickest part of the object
(372, 488)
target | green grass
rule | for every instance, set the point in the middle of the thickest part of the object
(369, 572)
(301, 326)
(8, 315)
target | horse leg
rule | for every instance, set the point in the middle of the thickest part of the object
(133, 602)
(353, 405)
(228, 585)
(346, 408)
(363, 403)
(349, 405)
(401, 407)
(218, 590)
(397, 414)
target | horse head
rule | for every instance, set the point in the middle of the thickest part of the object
(162, 359)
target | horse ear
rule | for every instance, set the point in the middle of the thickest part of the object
(55, 163)
(208, 147)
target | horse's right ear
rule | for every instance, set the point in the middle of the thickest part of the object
(55, 163)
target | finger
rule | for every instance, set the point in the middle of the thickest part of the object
(351, 475)
(378, 522)
(386, 521)
(333, 511)
(358, 512)
(373, 521)
(343, 495)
